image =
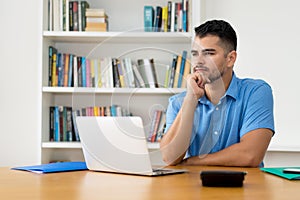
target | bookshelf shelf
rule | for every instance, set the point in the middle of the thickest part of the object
(119, 42)
(113, 90)
(118, 37)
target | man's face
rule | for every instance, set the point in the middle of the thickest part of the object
(208, 57)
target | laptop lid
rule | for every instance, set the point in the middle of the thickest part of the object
(114, 144)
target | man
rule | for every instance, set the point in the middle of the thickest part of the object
(220, 119)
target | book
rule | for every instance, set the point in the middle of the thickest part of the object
(279, 171)
(139, 81)
(129, 76)
(95, 12)
(148, 18)
(84, 5)
(54, 167)
(164, 22)
(56, 15)
(173, 7)
(51, 124)
(121, 73)
(148, 72)
(52, 51)
(177, 71)
(169, 5)
(158, 19)
(50, 15)
(71, 16)
(184, 54)
(116, 77)
(184, 15)
(187, 70)
(75, 16)
(156, 125)
(172, 71)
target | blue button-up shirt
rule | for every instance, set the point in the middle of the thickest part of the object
(247, 105)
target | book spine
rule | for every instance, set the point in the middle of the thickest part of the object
(71, 16)
(173, 71)
(56, 124)
(51, 124)
(69, 124)
(184, 54)
(184, 15)
(71, 68)
(79, 69)
(115, 73)
(83, 71)
(66, 70)
(59, 69)
(148, 18)
(84, 6)
(75, 16)
(52, 51)
(169, 15)
(74, 114)
(88, 72)
(158, 19)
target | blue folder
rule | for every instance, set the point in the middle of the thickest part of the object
(54, 167)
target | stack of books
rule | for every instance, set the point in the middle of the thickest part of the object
(96, 20)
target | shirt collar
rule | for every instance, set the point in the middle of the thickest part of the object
(232, 90)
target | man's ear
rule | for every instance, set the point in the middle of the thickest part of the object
(231, 58)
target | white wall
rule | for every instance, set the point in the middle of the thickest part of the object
(268, 41)
(19, 82)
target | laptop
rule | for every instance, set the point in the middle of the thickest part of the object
(117, 144)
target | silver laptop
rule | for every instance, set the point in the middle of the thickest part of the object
(117, 144)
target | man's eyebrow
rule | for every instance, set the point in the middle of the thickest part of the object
(206, 50)
(203, 50)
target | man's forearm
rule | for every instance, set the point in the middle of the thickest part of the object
(175, 143)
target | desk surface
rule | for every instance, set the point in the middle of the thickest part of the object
(90, 185)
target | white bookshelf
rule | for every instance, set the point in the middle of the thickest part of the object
(125, 38)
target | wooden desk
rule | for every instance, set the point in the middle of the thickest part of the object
(90, 185)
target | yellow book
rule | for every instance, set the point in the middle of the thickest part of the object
(99, 79)
(187, 70)
(165, 18)
(54, 75)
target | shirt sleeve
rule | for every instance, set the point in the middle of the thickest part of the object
(258, 109)
(174, 106)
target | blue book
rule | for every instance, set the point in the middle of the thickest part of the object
(148, 18)
(184, 54)
(56, 124)
(54, 167)
(70, 71)
(113, 110)
(83, 71)
(60, 69)
(184, 15)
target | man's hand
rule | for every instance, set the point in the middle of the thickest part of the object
(196, 84)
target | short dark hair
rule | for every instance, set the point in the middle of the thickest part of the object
(219, 28)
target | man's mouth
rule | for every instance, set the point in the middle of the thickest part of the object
(201, 69)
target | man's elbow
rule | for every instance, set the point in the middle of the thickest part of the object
(252, 161)
(169, 159)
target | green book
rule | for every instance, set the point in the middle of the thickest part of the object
(279, 171)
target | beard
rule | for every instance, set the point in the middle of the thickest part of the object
(212, 74)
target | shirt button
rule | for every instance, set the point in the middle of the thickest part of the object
(216, 132)
(217, 108)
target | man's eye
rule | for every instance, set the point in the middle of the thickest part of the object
(194, 54)
(208, 53)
